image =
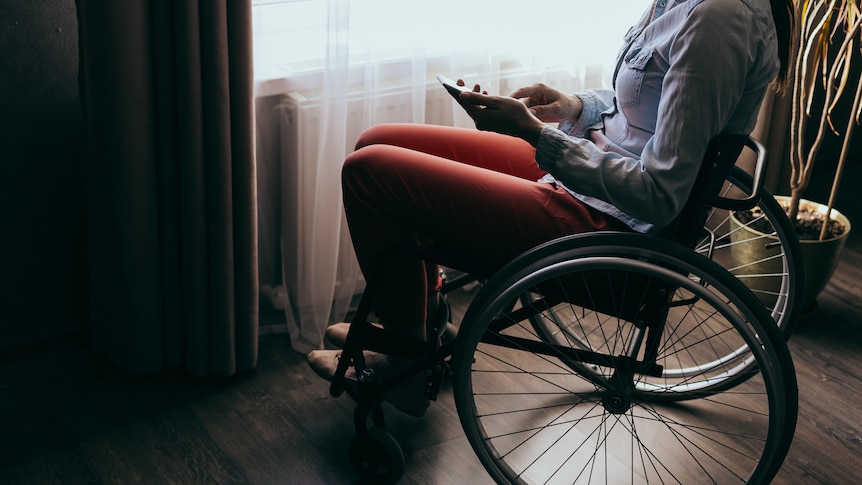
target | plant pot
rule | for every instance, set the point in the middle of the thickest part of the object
(819, 258)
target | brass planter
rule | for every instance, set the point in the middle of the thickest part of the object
(819, 258)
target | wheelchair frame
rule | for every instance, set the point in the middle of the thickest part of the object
(626, 377)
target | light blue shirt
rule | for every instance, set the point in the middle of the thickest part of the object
(688, 71)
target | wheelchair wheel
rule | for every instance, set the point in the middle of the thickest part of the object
(767, 260)
(377, 457)
(726, 414)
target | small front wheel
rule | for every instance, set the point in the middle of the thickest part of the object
(377, 457)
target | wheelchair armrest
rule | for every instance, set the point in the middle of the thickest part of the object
(733, 204)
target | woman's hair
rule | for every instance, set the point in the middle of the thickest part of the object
(785, 26)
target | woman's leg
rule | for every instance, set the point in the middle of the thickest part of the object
(479, 148)
(482, 206)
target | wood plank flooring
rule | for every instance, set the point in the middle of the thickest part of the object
(68, 417)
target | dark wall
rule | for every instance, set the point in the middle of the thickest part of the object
(42, 142)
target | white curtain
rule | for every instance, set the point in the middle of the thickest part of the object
(372, 48)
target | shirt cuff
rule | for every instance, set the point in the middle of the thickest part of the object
(550, 148)
(590, 114)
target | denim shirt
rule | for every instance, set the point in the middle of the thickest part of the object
(687, 71)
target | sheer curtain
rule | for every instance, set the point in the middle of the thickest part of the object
(356, 51)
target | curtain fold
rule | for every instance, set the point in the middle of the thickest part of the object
(168, 99)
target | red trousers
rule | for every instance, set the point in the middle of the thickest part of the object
(472, 192)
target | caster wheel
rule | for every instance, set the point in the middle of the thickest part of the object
(377, 457)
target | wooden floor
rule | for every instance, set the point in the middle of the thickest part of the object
(67, 416)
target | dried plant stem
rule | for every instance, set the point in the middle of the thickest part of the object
(818, 64)
(814, 20)
(842, 159)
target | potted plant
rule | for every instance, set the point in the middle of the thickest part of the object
(828, 43)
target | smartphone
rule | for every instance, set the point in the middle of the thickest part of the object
(451, 86)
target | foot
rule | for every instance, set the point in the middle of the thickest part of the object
(325, 362)
(409, 397)
(336, 334)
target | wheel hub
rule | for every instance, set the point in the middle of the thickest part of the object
(617, 398)
(616, 402)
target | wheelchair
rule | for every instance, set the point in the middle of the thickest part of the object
(609, 357)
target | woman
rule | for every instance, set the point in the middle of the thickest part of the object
(622, 159)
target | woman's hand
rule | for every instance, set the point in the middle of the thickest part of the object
(549, 104)
(501, 114)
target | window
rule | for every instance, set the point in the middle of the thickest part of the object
(294, 37)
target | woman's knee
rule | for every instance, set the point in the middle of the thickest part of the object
(381, 134)
(361, 165)
(353, 165)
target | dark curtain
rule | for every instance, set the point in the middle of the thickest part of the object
(167, 94)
